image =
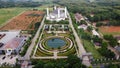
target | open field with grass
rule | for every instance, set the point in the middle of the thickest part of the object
(90, 48)
(7, 13)
(114, 30)
(43, 7)
(24, 21)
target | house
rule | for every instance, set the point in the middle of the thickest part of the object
(78, 17)
(83, 26)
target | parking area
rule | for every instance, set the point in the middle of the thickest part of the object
(8, 59)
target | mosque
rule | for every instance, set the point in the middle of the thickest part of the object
(57, 14)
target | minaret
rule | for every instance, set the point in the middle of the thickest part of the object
(55, 7)
(58, 13)
(65, 12)
(47, 12)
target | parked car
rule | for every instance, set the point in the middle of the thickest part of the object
(3, 58)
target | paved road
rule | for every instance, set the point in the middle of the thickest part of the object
(80, 46)
(115, 52)
(28, 53)
(88, 23)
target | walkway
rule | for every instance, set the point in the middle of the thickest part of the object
(80, 46)
(117, 54)
(29, 51)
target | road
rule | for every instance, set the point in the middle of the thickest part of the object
(88, 23)
(81, 49)
(29, 51)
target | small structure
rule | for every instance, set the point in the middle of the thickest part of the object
(57, 14)
(24, 64)
(94, 32)
(78, 17)
(118, 38)
(92, 15)
(47, 27)
(97, 43)
(83, 26)
(89, 55)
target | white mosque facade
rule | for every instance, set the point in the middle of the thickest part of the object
(57, 14)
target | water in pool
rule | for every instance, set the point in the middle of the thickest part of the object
(56, 42)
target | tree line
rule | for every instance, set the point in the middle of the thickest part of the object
(7, 4)
(71, 62)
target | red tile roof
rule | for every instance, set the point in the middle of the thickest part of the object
(78, 16)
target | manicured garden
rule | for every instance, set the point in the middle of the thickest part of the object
(41, 53)
(67, 49)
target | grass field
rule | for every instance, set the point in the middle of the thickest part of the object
(90, 48)
(8, 13)
(43, 7)
(24, 21)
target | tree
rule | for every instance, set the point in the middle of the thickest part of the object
(108, 37)
(104, 44)
(48, 65)
(113, 65)
(113, 42)
(72, 59)
(40, 64)
(89, 28)
(111, 39)
(97, 39)
(98, 24)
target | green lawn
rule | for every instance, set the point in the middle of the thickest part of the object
(90, 48)
(8, 13)
(43, 7)
(110, 33)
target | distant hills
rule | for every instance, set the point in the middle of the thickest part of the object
(16, 0)
(65, 0)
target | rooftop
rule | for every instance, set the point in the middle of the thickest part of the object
(8, 35)
(78, 16)
(14, 43)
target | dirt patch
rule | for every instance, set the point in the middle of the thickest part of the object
(110, 29)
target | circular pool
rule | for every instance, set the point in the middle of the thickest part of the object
(55, 42)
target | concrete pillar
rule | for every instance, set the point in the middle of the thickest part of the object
(58, 13)
(65, 12)
(47, 12)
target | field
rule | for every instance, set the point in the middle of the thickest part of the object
(90, 48)
(7, 13)
(24, 21)
(114, 30)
